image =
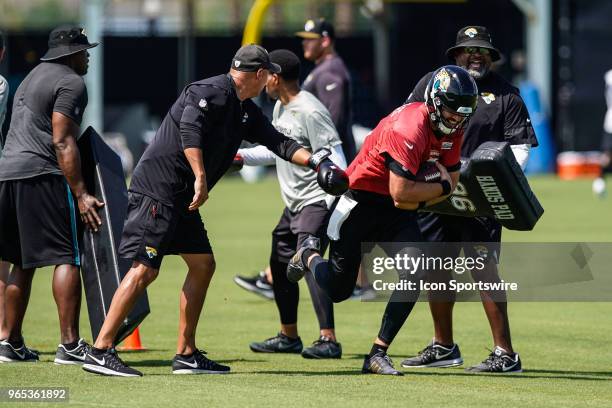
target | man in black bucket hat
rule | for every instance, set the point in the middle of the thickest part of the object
(41, 188)
(66, 40)
(501, 116)
(474, 37)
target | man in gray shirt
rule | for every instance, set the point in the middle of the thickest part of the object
(302, 117)
(40, 177)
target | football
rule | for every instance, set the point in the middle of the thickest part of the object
(428, 173)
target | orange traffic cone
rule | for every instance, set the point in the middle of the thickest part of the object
(132, 342)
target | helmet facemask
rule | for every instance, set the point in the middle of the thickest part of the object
(451, 92)
(445, 126)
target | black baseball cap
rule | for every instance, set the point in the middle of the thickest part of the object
(66, 40)
(252, 57)
(474, 36)
(317, 29)
(289, 63)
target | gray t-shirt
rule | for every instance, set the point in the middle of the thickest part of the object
(309, 123)
(4, 93)
(28, 150)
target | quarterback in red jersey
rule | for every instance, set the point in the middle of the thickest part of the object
(404, 139)
(384, 194)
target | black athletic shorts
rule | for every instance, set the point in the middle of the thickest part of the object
(38, 222)
(153, 230)
(293, 229)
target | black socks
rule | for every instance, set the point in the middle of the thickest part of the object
(71, 346)
(377, 348)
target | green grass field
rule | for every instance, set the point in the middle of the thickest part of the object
(564, 346)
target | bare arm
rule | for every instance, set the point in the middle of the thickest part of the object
(196, 161)
(454, 180)
(65, 133)
(301, 157)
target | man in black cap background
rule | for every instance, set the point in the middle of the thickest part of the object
(40, 177)
(501, 116)
(194, 146)
(330, 80)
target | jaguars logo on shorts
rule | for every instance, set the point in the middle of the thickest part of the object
(151, 252)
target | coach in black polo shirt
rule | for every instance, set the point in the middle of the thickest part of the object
(40, 174)
(501, 115)
(193, 148)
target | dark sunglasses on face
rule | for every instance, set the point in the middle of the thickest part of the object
(479, 50)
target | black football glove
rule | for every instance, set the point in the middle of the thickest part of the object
(332, 179)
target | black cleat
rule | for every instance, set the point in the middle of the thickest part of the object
(74, 356)
(379, 363)
(197, 363)
(107, 362)
(11, 354)
(435, 355)
(296, 268)
(258, 285)
(324, 347)
(278, 344)
(499, 361)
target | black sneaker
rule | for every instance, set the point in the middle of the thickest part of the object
(107, 362)
(435, 355)
(296, 268)
(258, 285)
(10, 354)
(324, 347)
(197, 363)
(379, 363)
(499, 361)
(74, 356)
(278, 344)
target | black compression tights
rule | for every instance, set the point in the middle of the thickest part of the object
(339, 288)
(287, 295)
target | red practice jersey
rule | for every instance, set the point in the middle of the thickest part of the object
(405, 136)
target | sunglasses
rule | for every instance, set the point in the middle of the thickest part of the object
(477, 50)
